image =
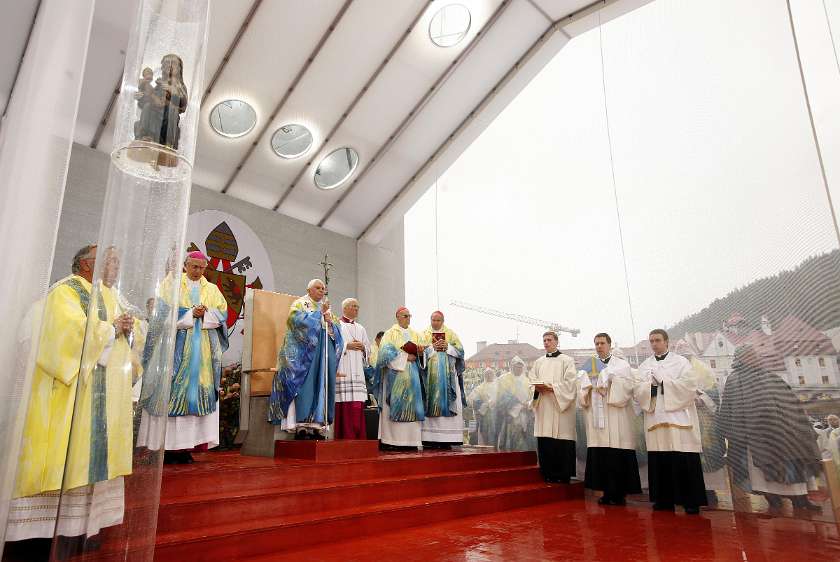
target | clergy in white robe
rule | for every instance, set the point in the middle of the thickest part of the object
(606, 393)
(666, 390)
(398, 386)
(350, 388)
(191, 414)
(444, 383)
(553, 379)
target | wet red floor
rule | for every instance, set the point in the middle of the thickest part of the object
(582, 530)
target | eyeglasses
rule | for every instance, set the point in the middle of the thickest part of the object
(405, 315)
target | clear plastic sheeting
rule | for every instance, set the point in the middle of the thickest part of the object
(107, 343)
(638, 183)
(35, 139)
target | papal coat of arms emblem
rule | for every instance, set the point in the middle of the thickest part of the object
(238, 260)
(225, 271)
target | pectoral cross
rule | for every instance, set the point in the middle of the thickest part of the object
(327, 266)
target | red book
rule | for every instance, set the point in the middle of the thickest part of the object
(411, 348)
(438, 336)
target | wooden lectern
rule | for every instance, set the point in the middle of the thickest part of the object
(265, 327)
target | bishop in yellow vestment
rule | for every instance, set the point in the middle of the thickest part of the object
(92, 393)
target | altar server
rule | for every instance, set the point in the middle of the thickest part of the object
(350, 388)
(666, 392)
(553, 379)
(444, 423)
(606, 393)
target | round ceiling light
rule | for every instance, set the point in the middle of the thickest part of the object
(233, 118)
(291, 141)
(450, 25)
(336, 167)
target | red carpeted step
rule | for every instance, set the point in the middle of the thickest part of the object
(226, 505)
(238, 539)
(202, 511)
(225, 472)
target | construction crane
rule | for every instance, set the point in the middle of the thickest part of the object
(553, 326)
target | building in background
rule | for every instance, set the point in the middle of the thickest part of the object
(498, 355)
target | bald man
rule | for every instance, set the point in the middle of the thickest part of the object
(399, 391)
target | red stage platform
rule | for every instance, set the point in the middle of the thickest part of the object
(327, 451)
(426, 506)
(226, 506)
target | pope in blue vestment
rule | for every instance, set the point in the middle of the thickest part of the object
(303, 391)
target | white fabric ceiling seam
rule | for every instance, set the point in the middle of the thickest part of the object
(472, 114)
(555, 26)
(346, 113)
(417, 109)
(287, 94)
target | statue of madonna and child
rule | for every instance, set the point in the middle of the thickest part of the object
(161, 104)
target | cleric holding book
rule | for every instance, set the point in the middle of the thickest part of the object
(444, 383)
(397, 380)
(554, 380)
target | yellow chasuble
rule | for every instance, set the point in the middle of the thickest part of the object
(107, 406)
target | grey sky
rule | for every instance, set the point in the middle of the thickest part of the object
(716, 174)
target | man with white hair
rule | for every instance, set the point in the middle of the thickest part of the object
(303, 392)
(350, 386)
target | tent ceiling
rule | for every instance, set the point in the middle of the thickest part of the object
(14, 31)
(357, 73)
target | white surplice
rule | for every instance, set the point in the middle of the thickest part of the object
(554, 412)
(84, 511)
(612, 426)
(351, 386)
(671, 422)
